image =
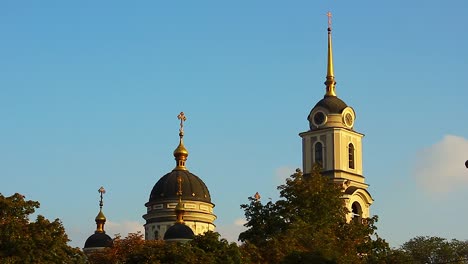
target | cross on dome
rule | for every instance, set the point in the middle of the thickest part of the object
(329, 15)
(182, 119)
(101, 191)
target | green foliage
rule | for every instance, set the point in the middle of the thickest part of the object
(307, 225)
(133, 249)
(22, 241)
(427, 249)
(216, 250)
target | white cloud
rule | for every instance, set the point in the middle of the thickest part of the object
(440, 168)
(123, 228)
(282, 173)
(231, 232)
(240, 222)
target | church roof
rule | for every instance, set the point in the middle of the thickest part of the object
(179, 231)
(193, 188)
(98, 239)
(333, 104)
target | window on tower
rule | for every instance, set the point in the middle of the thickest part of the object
(318, 153)
(351, 155)
(357, 212)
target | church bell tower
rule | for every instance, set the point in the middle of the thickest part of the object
(334, 145)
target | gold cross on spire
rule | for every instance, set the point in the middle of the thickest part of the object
(101, 191)
(329, 15)
(182, 119)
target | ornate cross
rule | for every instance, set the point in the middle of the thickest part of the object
(182, 119)
(329, 15)
(101, 191)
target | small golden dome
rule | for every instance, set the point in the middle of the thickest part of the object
(181, 153)
(181, 150)
(100, 216)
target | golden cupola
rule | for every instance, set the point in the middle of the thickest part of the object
(99, 239)
(181, 153)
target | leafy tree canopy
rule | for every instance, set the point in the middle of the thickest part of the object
(308, 225)
(429, 249)
(207, 248)
(41, 241)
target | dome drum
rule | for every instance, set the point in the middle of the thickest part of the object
(190, 216)
(170, 210)
(321, 117)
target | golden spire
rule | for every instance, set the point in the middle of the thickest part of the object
(330, 82)
(179, 208)
(100, 218)
(181, 153)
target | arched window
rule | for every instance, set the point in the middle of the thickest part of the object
(357, 212)
(351, 155)
(318, 153)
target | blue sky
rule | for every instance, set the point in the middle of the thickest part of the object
(90, 91)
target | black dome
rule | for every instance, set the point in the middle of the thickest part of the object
(98, 240)
(193, 188)
(179, 231)
(333, 104)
